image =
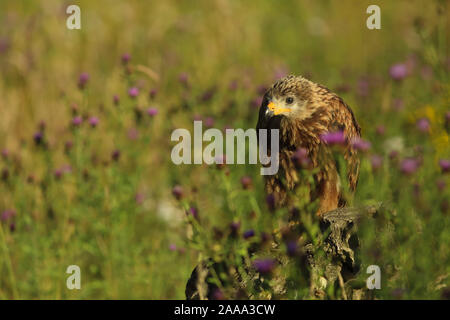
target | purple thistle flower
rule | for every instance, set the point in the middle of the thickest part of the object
(363, 87)
(4, 44)
(441, 185)
(152, 112)
(183, 78)
(264, 266)
(381, 130)
(393, 155)
(193, 211)
(5, 153)
(445, 165)
(292, 248)
(398, 293)
(133, 92)
(409, 165)
(246, 182)
(125, 58)
(208, 95)
(334, 138)
(116, 99)
(76, 121)
(376, 161)
(139, 198)
(209, 122)
(133, 134)
(265, 237)
(235, 226)
(423, 124)
(83, 79)
(66, 168)
(218, 295)
(38, 137)
(172, 247)
(248, 234)
(115, 155)
(220, 161)
(398, 104)
(68, 145)
(7, 214)
(360, 144)
(300, 158)
(58, 174)
(93, 121)
(153, 93)
(398, 71)
(177, 192)
(233, 85)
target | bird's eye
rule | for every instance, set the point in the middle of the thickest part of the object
(289, 100)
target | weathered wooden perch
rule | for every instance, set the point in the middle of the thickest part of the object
(338, 267)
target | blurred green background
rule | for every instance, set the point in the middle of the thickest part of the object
(101, 197)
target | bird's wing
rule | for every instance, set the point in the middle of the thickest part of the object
(344, 119)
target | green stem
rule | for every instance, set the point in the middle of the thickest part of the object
(9, 264)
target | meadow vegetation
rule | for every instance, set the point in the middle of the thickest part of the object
(86, 118)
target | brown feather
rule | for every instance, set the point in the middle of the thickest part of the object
(321, 111)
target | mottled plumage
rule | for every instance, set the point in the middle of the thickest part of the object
(303, 111)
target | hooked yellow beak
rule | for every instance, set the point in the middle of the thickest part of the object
(276, 110)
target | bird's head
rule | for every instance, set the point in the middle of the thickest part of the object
(288, 98)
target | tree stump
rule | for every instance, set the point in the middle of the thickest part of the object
(338, 267)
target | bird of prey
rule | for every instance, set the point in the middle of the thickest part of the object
(304, 112)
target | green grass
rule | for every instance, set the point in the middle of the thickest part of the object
(90, 216)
